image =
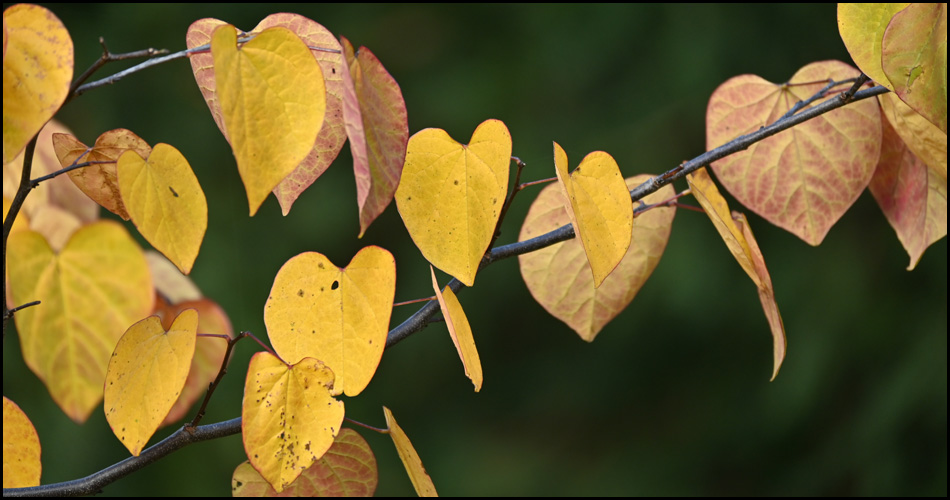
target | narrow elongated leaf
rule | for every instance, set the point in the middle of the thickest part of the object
(914, 56)
(91, 292)
(37, 72)
(410, 459)
(734, 230)
(146, 375)
(559, 276)
(460, 331)
(21, 448)
(912, 196)
(451, 194)
(272, 99)
(337, 315)
(347, 469)
(378, 129)
(165, 202)
(599, 207)
(289, 416)
(803, 179)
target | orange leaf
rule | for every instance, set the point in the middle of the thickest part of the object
(290, 417)
(559, 278)
(410, 459)
(209, 351)
(99, 182)
(272, 99)
(332, 135)
(598, 204)
(804, 179)
(165, 202)
(21, 448)
(146, 374)
(460, 331)
(340, 316)
(91, 292)
(378, 129)
(451, 194)
(734, 230)
(914, 56)
(347, 469)
(912, 196)
(37, 72)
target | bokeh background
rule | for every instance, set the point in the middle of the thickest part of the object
(673, 397)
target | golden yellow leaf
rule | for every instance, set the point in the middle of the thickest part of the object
(340, 316)
(734, 230)
(165, 202)
(599, 207)
(922, 137)
(146, 374)
(451, 195)
(21, 448)
(410, 459)
(803, 179)
(461, 332)
(91, 292)
(99, 181)
(347, 469)
(290, 417)
(861, 26)
(272, 99)
(37, 72)
(559, 276)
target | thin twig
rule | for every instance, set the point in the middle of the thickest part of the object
(22, 190)
(858, 82)
(217, 380)
(36, 182)
(9, 313)
(108, 57)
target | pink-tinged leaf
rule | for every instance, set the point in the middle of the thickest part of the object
(914, 56)
(912, 196)
(347, 469)
(559, 276)
(803, 179)
(378, 129)
(332, 135)
(923, 138)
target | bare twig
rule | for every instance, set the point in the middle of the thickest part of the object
(190, 427)
(36, 182)
(22, 190)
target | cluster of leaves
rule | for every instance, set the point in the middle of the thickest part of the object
(119, 324)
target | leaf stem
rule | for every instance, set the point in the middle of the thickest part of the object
(414, 301)
(370, 427)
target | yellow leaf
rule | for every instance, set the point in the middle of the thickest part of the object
(734, 230)
(599, 207)
(272, 99)
(347, 469)
(170, 283)
(922, 137)
(451, 195)
(861, 26)
(559, 276)
(460, 331)
(37, 72)
(804, 179)
(410, 459)
(146, 374)
(21, 222)
(91, 292)
(290, 417)
(165, 202)
(340, 316)
(99, 181)
(21, 448)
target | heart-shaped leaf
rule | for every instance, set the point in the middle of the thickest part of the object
(598, 204)
(91, 292)
(803, 179)
(559, 276)
(165, 202)
(337, 315)
(146, 375)
(289, 416)
(21, 448)
(861, 26)
(37, 72)
(451, 194)
(272, 99)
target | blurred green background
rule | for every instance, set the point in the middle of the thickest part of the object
(673, 398)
